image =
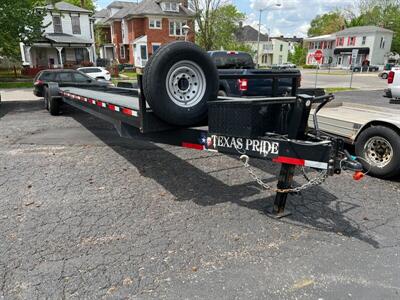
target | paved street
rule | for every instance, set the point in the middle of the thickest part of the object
(85, 214)
(363, 81)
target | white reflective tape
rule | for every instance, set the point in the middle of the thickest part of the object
(116, 108)
(316, 164)
(85, 99)
(93, 102)
(103, 104)
(134, 113)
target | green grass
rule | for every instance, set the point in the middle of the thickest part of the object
(339, 89)
(130, 74)
(15, 85)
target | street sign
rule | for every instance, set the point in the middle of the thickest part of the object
(318, 56)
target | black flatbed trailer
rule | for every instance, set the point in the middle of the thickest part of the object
(271, 128)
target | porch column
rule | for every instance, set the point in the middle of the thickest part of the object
(89, 50)
(59, 49)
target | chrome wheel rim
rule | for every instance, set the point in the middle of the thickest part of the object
(186, 84)
(378, 151)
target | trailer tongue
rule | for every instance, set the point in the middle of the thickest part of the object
(262, 128)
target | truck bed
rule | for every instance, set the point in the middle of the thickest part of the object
(346, 119)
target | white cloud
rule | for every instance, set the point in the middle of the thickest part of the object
(293, 16)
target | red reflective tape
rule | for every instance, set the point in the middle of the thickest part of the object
(193, 146)
(99, 103)
(111, 107)
(289, 160)
(127, 111)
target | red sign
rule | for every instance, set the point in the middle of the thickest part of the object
(318, 55)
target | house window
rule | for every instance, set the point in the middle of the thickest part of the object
(364, 39)
(76, 25)
(382, 44)
(143, 52)
(155, 23)
(122, 51)
(351, 41)
(57, 24)
(281, 48)
(155, 47)
(170, 6)
(175, 28)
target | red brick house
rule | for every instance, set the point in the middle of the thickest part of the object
(133, 31)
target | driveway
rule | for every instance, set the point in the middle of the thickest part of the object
(85, 214)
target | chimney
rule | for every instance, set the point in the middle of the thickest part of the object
(240, 24)
(294, 37)
(185, 3)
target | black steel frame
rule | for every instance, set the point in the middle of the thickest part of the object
(148, 126)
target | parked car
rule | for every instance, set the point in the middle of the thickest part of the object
(393, 90)
(385, 73)
(241, 63)
(64, 78)
(96, 72)
(359, 68)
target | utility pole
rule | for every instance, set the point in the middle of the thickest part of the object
(258, 40)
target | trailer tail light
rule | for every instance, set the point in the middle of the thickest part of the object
(243, 84)
(391, 77)
(232, 53)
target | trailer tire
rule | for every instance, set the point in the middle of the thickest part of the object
(379, 146)
(178, 80)
(45, 97)
(53, 103)
(384, 76)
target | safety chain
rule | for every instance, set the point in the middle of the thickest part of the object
(319, 179)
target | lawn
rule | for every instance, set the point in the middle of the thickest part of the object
(129, 74)
(15, 85)
(338, 89)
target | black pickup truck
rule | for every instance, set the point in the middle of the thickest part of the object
(241, 63)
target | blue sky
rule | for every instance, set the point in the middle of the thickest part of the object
(292, 18)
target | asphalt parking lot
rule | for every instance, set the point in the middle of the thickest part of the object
(86, 214)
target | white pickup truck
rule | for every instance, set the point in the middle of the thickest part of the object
(393, 90)
(374, 131)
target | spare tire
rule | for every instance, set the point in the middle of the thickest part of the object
(178, 80)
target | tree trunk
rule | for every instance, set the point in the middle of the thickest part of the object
(83, 3)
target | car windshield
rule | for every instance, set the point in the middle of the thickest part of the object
(225, 60)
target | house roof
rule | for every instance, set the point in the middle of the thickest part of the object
(153, 7)
(63, 38)
(248, 34)
(120, 4)
(101, 13)
(292, 39)
(64, 6)
(363, 29)
(325, 37)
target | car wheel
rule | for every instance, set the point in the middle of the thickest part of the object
(178, 81)
(384, 76)
(379, 148)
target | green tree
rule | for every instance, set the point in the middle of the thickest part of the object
(299, 55)
(20, 22)
(327, 23)
(87, 4)
(217, 25)
(382, 13)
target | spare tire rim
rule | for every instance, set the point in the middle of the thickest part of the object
(186, 83)
(378, 151)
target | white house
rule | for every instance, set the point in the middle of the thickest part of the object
(373, 44)
(68, 39)
(272, 50)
